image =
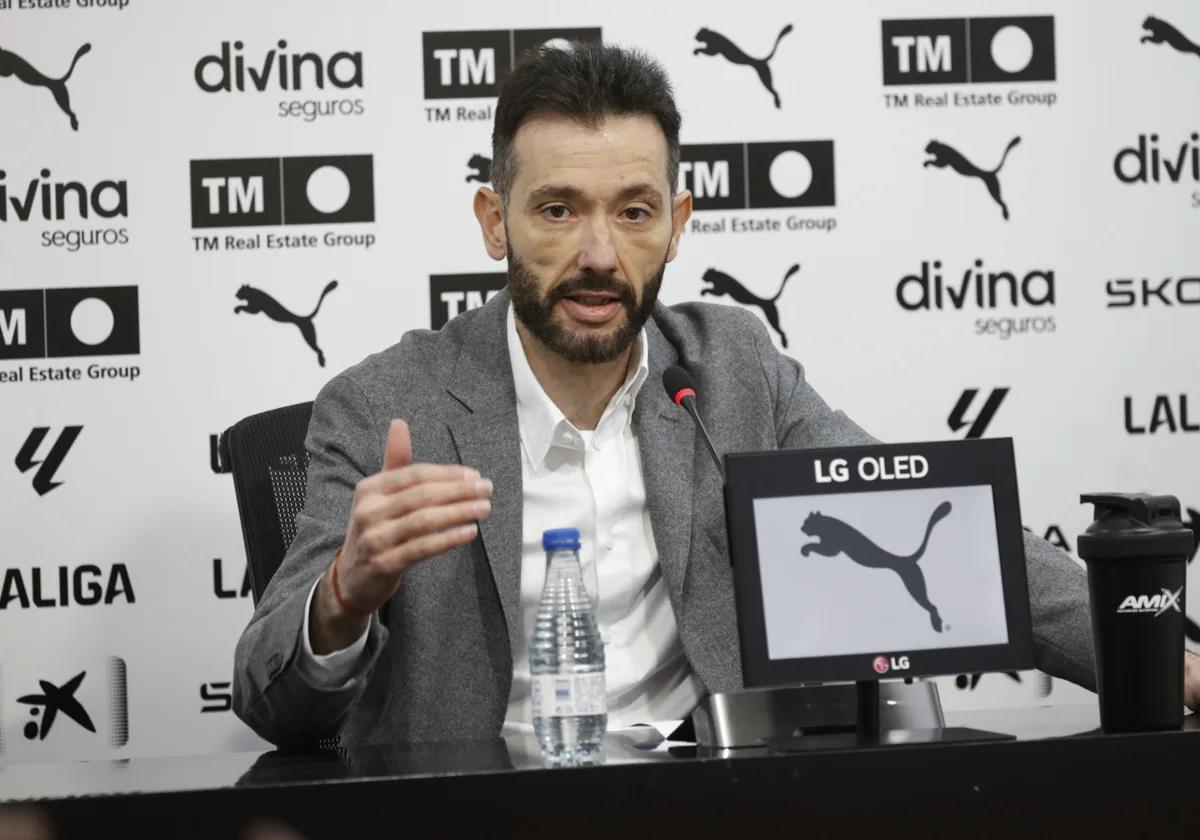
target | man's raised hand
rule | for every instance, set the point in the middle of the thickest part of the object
(400, 516)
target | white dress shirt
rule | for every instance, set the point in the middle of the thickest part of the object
(590, 480)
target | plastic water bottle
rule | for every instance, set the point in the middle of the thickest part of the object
(566, 659)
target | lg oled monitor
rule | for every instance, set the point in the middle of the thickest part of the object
(874, 562)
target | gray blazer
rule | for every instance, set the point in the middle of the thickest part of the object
(440, 654)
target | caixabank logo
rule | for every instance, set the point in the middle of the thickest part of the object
(470, 64)
(71, 709)
(69, 323)
(66, 211)
(759, 176)
(305, 85)
(1017, 51)
(289, 191)
(1007, 303)
(454, 294)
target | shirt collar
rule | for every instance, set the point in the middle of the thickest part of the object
(542, 423)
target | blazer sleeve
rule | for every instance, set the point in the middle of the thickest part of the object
(1058, 594)
(270, 692)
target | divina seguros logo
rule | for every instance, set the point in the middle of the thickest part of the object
(961, 51)
(63, 205)
(260, 192)
(1152, 160)
(239, 67)
(983, 289)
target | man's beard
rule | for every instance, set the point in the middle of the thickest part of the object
(537, 312)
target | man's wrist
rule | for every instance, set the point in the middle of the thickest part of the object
(333, 625)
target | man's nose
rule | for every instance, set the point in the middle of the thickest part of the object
(598, 254)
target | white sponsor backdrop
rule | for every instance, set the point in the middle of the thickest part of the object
(140, 518)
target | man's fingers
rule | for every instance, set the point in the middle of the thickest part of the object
(399, 446)
(429, 494)
(430, 545)
(382, 537)
(392, 481)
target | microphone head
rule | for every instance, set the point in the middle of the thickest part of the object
(678, 383)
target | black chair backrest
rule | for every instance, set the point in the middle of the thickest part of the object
(266, 455)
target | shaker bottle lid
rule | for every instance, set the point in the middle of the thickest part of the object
(1131, 525)
(560, 538)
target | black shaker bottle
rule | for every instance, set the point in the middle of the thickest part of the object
(1136, 551)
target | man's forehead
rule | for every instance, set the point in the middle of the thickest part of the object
(547, 146)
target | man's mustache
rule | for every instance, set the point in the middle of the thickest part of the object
(594, 283)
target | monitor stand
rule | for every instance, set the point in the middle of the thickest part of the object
(868, 733)
(833, 716)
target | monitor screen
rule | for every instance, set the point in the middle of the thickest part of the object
(852, 568)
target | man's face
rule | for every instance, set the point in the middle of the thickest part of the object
(589, 227)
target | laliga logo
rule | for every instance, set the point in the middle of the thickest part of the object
(1157, 604)
(897, 663)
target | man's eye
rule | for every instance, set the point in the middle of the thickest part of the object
(556, 211)
(637, 214)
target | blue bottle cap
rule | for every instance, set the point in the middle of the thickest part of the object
(560, 538)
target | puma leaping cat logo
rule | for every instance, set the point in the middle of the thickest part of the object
(836, 537)
(944, 156)
(256, 301)
(483, 169)
(1160, 32)
(723, 284)
(12, 64)
(714, 43)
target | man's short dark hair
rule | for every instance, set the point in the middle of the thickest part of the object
(588, 82)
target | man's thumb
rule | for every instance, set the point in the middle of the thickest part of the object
(399, 446)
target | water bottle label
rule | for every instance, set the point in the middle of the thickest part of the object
(568, 695)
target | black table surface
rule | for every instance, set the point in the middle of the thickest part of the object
(1059, 774)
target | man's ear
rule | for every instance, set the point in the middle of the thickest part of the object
(681, 211)
(489, 210)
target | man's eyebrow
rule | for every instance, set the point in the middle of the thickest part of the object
(642, 190)
(550, 192)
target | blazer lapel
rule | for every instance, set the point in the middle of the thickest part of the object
(488, 439)
(667, 442)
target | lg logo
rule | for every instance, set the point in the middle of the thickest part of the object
(943, 51)
(461, 65)
(737, 176)
(242, 192)
(883, 664)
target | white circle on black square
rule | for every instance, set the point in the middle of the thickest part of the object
(92, 321)
(1012, 49)
(790, 174)
(328, 189)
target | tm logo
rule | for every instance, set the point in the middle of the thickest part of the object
(43, 479)
(957, 419)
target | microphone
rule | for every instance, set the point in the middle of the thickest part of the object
(682, 391)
